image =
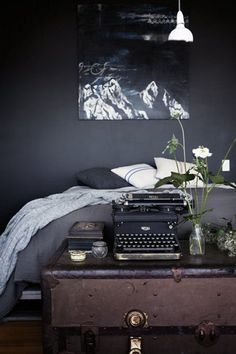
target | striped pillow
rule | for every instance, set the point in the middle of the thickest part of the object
(139, 175)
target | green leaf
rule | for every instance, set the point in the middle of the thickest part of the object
(217, 179)
(183, 177)
(177, 179)
(195, 218)
(172, 145)
(163, 181)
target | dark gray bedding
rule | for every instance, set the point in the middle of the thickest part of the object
(47, 240)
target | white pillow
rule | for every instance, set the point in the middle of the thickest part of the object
(139, 175)
(166, 166)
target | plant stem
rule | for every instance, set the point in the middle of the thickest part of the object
(184, 144)
(226, 155)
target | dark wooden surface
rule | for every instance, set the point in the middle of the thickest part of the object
(21, 337)
(213, 263)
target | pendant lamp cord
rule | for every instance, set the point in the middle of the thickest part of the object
(179, 4)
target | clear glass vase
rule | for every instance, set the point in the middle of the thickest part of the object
(197, 241)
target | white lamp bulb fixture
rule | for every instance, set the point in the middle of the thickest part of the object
(180, 33)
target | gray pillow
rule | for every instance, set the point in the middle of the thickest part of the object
(100, 178)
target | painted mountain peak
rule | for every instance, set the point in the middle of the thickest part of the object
(108, 101)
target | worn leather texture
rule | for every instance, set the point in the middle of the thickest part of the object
(175, 297)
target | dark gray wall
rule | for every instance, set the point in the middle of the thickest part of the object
(42, 143)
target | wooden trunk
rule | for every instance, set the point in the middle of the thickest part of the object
(173, 307)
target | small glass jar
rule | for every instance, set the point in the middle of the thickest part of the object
(77, 255)
(99, 249)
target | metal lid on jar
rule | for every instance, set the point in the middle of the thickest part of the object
(99, 244)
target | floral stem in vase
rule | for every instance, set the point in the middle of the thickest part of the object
(197, 241)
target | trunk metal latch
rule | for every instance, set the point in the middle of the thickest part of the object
(207, 333)
(177, 274)
(136, 318)
(135, 345)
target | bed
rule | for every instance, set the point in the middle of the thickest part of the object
(97, 207)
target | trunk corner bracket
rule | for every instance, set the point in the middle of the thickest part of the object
(177, 274)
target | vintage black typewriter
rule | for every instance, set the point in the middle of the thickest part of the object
(145, 226)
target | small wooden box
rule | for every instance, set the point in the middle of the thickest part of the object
(82, 234)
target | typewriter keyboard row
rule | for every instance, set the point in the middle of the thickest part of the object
(146, 242)
(146, 246)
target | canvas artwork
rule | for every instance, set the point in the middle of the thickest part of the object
(127, 69)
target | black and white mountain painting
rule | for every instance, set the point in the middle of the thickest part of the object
(127, 69)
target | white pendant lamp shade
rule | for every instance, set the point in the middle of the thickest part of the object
(180, 33)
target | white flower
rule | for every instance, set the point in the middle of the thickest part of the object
(201, 152)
